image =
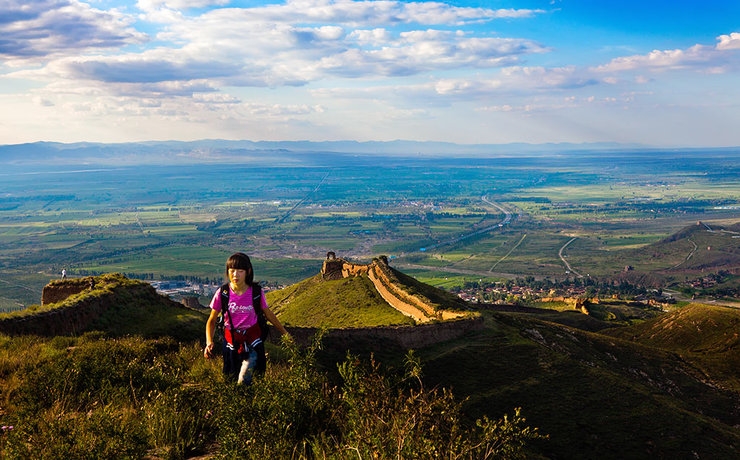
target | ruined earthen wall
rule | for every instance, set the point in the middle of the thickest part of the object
(192, 303)
(350, 269)
(408, 337)
(407, 304)
(410, 305)
(58, 291)
(332, 269)
(60, 321)
(395, 301)
(382, 281)
(75, 318)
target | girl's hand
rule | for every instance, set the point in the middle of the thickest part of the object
(208, 351)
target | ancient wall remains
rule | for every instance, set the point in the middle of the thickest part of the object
(60, 290)
(400, 300)
(192, 303)
(378, 272)
(76, 317)
(408, 337)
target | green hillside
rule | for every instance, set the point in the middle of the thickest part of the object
(116, 306)
(349, 302)
(667, 387)
(595, 395)
(704, 335)
(696, 252)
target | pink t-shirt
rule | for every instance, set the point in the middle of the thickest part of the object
(240, 308)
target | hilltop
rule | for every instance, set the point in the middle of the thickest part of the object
(348, 294)
(702, 258)
(349, 302)
(704, 335)
(110, 303)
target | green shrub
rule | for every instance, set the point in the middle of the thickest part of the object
(93, 397)
(392, 415)
(98, 371)
(281, 414)
(100, 432)
(179, 421)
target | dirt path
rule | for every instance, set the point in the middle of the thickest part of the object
(688, 256)
(562, 257)
(508, 253)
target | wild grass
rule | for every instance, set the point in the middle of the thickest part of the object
(96, 397)
(706, 335)
(595, 396)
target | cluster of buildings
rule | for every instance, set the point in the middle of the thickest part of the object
(178, 289)
(506, 294)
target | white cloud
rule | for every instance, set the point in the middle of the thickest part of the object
(367, 12)
(465, 87)
(321, 67)
(281, 111)
(716, 58)
(154, 5)
(42, 102)
(243, 47)
(38, 30)
(374, 37)
(729, 42)
(516, 80)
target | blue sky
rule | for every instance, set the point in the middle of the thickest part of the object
(658, 73)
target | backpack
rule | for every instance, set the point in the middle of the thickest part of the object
(256, 302)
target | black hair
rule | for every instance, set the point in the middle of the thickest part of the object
(240, 261)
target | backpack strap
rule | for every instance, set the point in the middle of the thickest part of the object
(257, 298)
(261, 318)
(225, 304)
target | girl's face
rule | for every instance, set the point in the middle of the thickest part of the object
(237, 276)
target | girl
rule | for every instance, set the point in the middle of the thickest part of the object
(243, 351)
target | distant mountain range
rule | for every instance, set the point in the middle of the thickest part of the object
(203, 151)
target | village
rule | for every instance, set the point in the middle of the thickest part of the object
(524, 291)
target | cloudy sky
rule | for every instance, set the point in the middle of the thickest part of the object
(660, 73)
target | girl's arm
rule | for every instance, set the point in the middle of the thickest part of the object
(210, 330)
(273, 319)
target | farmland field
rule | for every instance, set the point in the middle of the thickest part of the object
(441, 220)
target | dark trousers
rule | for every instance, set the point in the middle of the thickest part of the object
(233, 361)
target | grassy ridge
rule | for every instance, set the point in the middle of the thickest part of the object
(705, 335)
(350, 302)
(152, 319)
(596, 396)
(692, 251)
(127, 307)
